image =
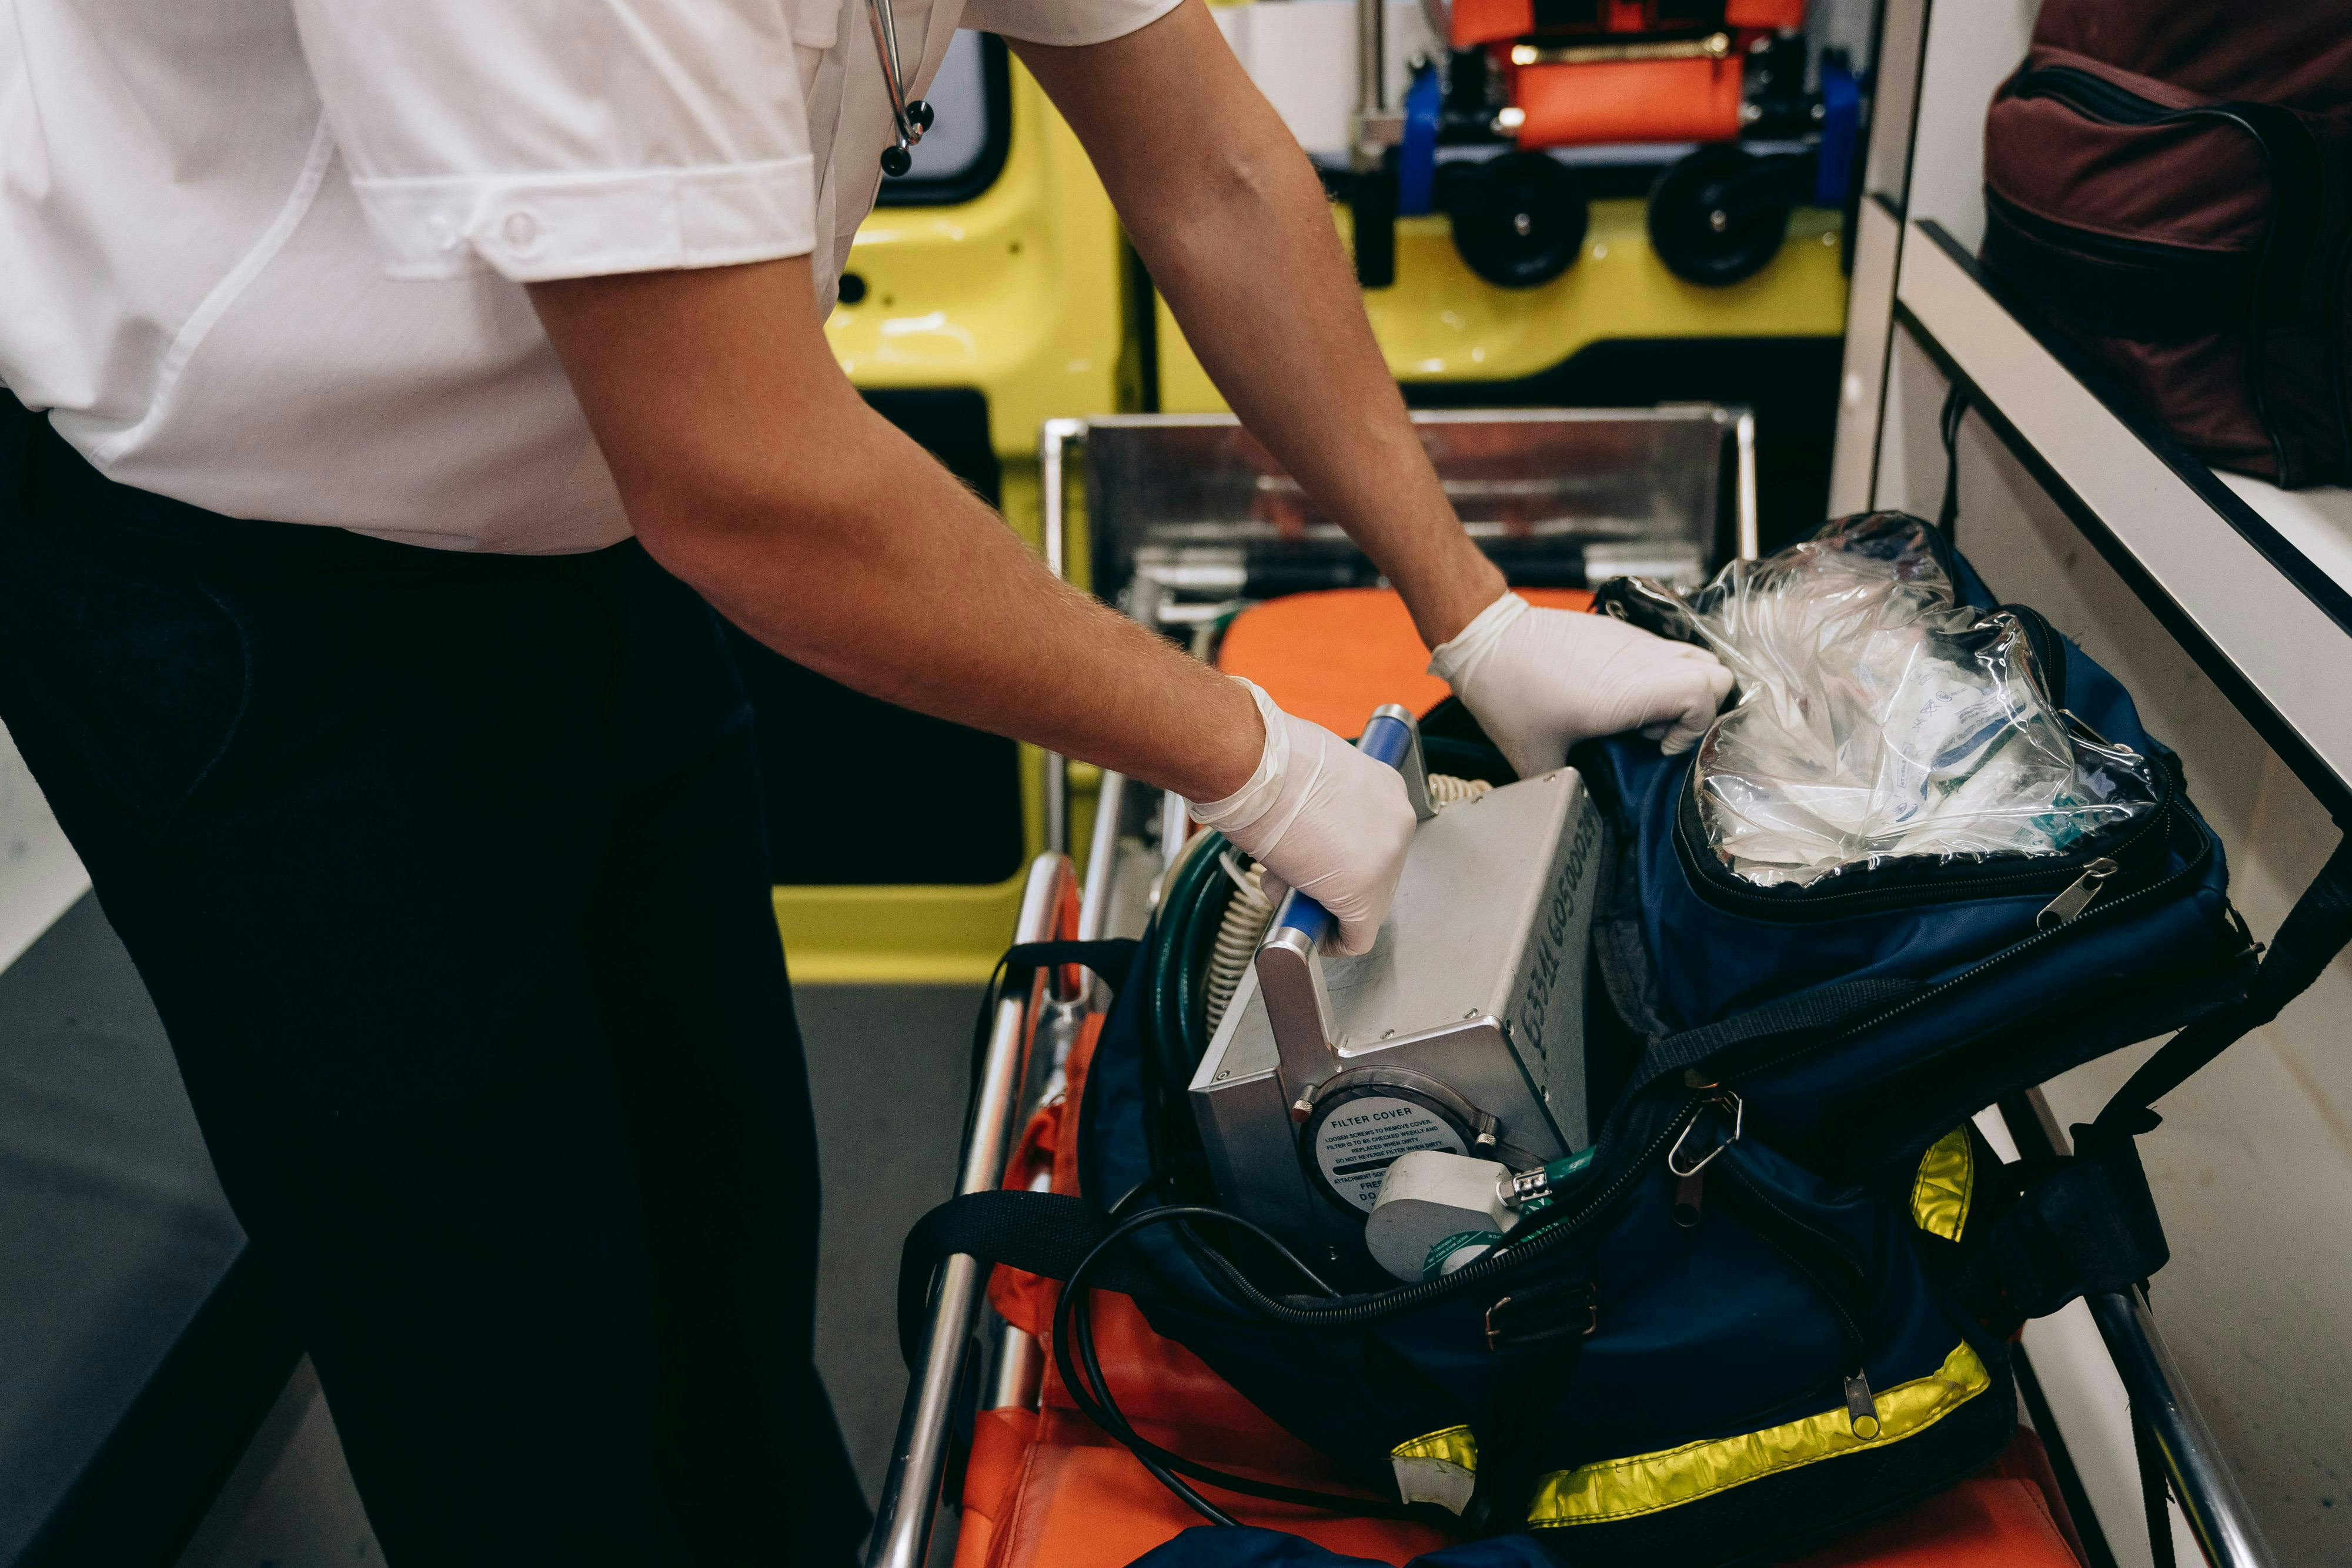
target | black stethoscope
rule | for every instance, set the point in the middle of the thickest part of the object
(908, 121)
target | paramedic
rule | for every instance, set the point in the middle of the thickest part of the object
(393, 385)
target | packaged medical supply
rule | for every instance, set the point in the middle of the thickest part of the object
(1877, 718)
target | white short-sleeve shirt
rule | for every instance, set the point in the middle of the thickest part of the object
(267, 256)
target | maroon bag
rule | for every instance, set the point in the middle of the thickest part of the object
(2171, 181)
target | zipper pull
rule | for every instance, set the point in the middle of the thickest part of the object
(2077, 896)
(1690, 1196)
(1861, 1407)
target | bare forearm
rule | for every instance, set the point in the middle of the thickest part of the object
(755, 473)
(1231, 222)
(1268, 301)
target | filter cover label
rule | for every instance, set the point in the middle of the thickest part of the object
(1357, 1143)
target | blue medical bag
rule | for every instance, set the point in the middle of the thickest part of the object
(1775, 1299)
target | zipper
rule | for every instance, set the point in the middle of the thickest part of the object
(1824, 1259)
(1837, 1244)
(2071, 904)
(2093, 95)
(2189, 872)
(2149, 254)
(1896, 886)
(1548, 1231)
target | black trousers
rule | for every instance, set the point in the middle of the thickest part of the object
(448, 876)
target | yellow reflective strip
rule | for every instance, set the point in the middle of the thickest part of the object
(1455, 1445)
(1948, 1180)
(1644, 1483)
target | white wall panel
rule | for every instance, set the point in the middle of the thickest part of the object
(2252, 1168)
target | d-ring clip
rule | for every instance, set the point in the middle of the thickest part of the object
(1738, 1119)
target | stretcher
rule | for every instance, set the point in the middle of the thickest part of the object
(989, 1431)
(1608, 77)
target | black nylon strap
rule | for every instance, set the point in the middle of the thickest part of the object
(1045, 1233)
(1956, 410)
(1791, 1018)
(2314, 931)
(1112, 958)
(2083, 1224)
(1537, 1362)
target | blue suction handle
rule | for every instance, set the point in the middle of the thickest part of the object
(1390, 736)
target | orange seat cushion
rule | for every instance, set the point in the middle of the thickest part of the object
(1333, 656)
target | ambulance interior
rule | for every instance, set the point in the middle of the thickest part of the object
(1665, 294)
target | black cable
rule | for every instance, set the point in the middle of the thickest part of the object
(1169, 968)
(982, 1025)
(1073, 1343)
(1108, 1417)
(1102, 1407)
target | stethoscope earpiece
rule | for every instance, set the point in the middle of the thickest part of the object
(909, 120)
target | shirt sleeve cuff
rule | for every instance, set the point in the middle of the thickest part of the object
(1060, 26)
(534, 228)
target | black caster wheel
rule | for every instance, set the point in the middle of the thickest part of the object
(1518, 220)
(1719, 214)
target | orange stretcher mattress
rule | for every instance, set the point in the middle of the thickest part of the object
(1334, 655)
(1044, 1491)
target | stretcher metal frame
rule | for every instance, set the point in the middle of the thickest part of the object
(1062, 445)
(1029, 1026)
(1049, 1010)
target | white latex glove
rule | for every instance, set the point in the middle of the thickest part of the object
(1323, 818)
(1538, 681)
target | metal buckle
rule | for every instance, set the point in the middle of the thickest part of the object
(1738, 1119)
(1495, 1332)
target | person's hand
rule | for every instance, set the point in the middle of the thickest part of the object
(1538, 681)
(1323, 818)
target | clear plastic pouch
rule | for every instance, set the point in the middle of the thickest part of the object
(1878, 719)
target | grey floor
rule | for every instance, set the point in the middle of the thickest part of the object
(81, 1051)
(112, 1229)
(888, 1065)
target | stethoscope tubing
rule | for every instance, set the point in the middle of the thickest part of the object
(909, 120)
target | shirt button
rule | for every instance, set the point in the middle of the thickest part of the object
(521, 229)
(443, 229)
